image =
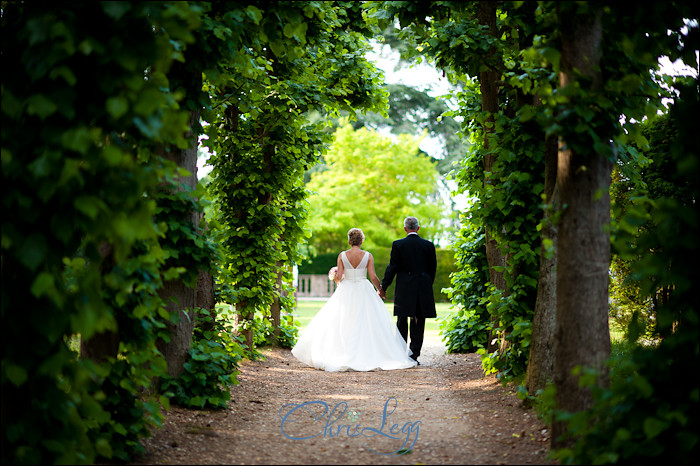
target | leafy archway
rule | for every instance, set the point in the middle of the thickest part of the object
(102, 105)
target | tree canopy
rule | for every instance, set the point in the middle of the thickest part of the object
(372, 182)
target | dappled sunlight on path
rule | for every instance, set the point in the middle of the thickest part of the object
(441, 412)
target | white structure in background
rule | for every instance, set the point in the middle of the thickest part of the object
(314, 286)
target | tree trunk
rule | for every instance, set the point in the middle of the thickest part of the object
(540, 367)
(245, 315)
(488, 82)
(175, 351)
(105, 344)
(243, 323)
(205, 292)
(276, 308)
(205, 297)
(100, 346)
(582, 335)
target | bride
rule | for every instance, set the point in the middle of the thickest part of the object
(353, 330)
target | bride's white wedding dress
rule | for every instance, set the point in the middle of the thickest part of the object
(353, 330)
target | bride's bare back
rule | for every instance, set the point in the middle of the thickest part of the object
(355, 255)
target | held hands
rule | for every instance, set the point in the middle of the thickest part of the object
(381, 293)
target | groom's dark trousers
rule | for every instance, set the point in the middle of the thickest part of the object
(417, 329)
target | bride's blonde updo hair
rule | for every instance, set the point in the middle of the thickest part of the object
(355, 237)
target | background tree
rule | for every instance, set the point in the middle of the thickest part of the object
(414, 112)
(372, 182)
(637, 185)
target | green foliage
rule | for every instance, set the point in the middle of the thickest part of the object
(120, 383)
(465, 331)
(635, 198)
(128, 417)
(446, 267)
(264, 332)
(372, 183)
(319, 264)
(649, 412)
(641, 417)
(414, 112)
(509, 206)
(468, 329)
(509, 203)
(211, 367)
(303, 57)
(187, 247)
(78, 235)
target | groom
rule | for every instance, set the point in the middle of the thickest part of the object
(414, 263)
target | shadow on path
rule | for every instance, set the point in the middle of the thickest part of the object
(441, 412)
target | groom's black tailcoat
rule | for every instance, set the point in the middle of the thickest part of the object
(413, 263)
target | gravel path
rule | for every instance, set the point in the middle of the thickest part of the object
(441, 412)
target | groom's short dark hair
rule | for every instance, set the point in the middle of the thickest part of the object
(410, 223)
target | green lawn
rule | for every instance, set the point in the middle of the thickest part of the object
(306, 309)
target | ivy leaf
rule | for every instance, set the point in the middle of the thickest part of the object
(16, 374)
(654, 426)
(43, 283)
(297, 31)
(116, 9)
(254, 13)
(89, 205)
(41, 105)
(112, 155)
(33, 251)
(173, 273)
(103, 447)
(117, 106)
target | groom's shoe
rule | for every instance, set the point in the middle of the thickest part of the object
(415, 359)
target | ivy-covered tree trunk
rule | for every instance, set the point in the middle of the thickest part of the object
(246, 313)
(582, 335)
(205, 296)
(488, 82)
(243, 323)
(540, 367)
(179, 297)
(102, 345)
(205, 292)
(175, 351)
(276, 308)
